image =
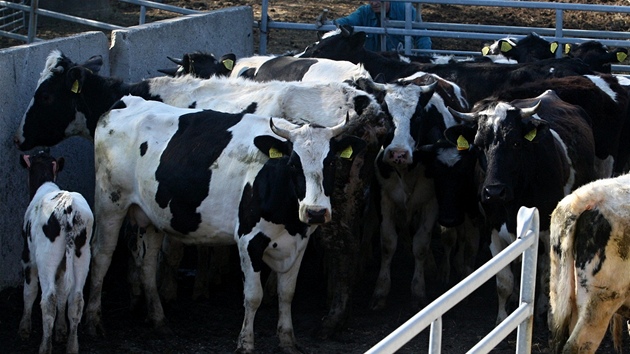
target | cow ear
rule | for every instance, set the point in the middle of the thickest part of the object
(228, 61)
(271, 146)
(94, 64)
(25, 161)
(505, 46)
(461, 136)
(553, 47)
(349, 146)
(535, 129)
(567, 48)
(75, 79)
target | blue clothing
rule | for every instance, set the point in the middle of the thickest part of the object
(364, 16)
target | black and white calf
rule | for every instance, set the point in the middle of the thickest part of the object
(57, 231)
(597, 55)
(208, 177)
(533, 152)
(589, 278)
(527, 49)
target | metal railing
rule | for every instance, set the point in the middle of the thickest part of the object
(474, 31)
(521, 319)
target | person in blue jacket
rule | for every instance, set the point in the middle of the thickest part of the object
(370, 16)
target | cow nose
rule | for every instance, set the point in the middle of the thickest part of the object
(399, 156)
(495, 193)
(318, 216)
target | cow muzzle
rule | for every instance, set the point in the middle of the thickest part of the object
(398, 156)
(496, 193)
(315, 215)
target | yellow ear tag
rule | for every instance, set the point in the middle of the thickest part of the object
(75, 87)
(274, 153)
(485, 50)
(347, 153)
(228, 63)
(462, 143)
(554, 47)
(505, 47)
(567, 48)
(621, 56)
(531, 135)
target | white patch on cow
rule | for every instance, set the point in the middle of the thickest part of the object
(448, 156)
(404, 59)
(51, 61)
(603, 85)
(304, 102)
(327, 70)
(568, 187)
(78, 126)
(331, 33)
(441, 59)
(244, 64)
(402, 102)
(496, 114)
(623, 80)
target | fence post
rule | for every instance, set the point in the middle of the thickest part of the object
(263, 27)
(32, 22)
(528, 221)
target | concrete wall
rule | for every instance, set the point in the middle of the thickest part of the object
(134, 54)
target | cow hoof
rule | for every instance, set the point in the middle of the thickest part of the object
(94, 329)
(24, 334)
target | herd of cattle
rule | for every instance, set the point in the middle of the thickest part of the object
(263, 151)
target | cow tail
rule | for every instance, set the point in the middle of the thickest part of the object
(562, 273)
(616, 330)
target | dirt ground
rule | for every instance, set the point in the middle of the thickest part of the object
(212, 325)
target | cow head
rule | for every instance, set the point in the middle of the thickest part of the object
(451, 163)
(596, 55)
(54, 114)
(528, 49)
(506, 137)
(309, 165)
(202, 65)
(42, 168)
(341, 44)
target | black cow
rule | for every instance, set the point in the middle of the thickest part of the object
(597, 55)
(203, 65)
(533, 152)
(528, 49)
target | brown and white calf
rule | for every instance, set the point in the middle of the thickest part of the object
(57, 230)
(590, 258)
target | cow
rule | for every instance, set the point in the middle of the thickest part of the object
(202, 64)
(345, 44)
(208, 177)
(596, 55)
(322, 103)
(527, 49)
(589, 255)
(532, 153)
(603, 99)
(57, 231)
(408, 198)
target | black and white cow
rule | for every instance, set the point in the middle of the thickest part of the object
(345, 44)
(589, 262)
(70, 98)
(527, 49)
(202, 65)
(606, 103)
(62, 113)
(208, 177)
(57, 231)
(533, 152)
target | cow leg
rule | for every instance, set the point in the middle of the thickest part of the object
(173, 252)
(135, 243)
(48, 303)
(448, 236)
(61, 324)
(155, 313)
(389, 242)
(203, 274)
(421, 243)
(75, 300)
(31, 287)
(468, 243)
(505, 277)
(542, 305)
(253, 293)
(105, 240)
(593, 320)
(286, 290)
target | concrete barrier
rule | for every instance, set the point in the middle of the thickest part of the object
(138, 52)
(134, 54)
